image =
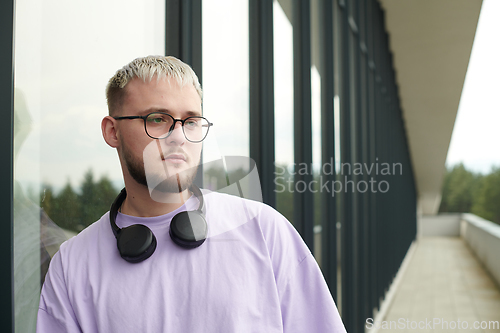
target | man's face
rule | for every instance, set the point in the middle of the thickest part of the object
(165, 165)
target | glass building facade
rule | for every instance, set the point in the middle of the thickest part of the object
(306, 88)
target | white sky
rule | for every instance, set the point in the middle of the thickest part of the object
(476, 136)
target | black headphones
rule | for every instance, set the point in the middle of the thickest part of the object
(137, 242)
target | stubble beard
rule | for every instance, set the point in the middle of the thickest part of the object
(175, 183)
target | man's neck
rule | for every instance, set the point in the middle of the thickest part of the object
(139, 202)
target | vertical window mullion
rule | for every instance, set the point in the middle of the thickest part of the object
(303, 200)
(183, 32)
(346, 158)
(6, 165)
(262, 95)
(328, 205)
(372, 156)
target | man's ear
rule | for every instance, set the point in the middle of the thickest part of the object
(109, 131)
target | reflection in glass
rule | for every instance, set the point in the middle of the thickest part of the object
(316, 157)
(225, 80)
(316, 138)
(62, 65)
(283, 104)
(36, 237)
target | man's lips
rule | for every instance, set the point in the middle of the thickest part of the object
(175, 158)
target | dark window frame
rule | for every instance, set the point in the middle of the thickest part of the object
(6, 165)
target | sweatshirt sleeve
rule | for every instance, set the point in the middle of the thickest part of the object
(306, 302)
(55, 313)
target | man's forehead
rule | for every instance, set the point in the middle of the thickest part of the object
(163, 83)
(138, 91)
(156, 80)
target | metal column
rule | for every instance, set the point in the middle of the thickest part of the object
(262, 95)
(6, 165)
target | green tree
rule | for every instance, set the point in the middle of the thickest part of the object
(67, 212)
(106, 194)
(95, 198)
(87, 199)
(75, 211)
(487, 200)
(459, 188)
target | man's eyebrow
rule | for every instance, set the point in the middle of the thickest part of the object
(188, 113)
(193, 113)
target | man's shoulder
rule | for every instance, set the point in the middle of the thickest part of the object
(239, 211)
(235, 204)
(285, 247)
(85, 238)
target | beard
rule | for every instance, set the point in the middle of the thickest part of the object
(168, 181)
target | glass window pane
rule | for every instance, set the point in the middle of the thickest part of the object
(225, 85)
(65, 174)
(225, 89)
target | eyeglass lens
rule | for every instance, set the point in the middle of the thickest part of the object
(160, 125)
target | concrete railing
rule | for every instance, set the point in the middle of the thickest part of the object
(483, 237)
(442, 225)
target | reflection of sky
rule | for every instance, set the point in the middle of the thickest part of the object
(283, 83)
(65, 54)
(63, 64)
(226, 76)
(283, 86)
(316, 117)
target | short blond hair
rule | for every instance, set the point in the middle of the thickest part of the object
(146, 68)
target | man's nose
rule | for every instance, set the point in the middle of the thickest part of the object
(177, 134)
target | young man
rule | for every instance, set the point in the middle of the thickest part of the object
(229, 265)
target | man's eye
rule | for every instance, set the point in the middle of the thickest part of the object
(191, 123)
(156, 120)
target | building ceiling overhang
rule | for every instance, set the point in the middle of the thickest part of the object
(431, 42)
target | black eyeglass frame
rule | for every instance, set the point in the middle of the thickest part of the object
(171, 129)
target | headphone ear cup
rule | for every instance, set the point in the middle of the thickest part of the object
(136, 243)
(188, 229)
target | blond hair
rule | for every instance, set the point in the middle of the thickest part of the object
(146, 68)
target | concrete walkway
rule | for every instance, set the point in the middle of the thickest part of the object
(443, 289)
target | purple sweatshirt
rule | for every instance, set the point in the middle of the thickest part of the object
(253, 274)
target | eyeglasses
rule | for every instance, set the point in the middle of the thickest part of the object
(159, 125)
